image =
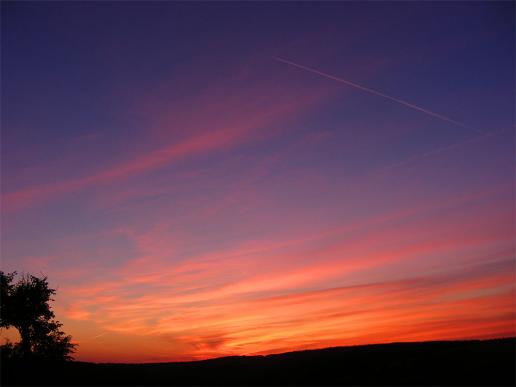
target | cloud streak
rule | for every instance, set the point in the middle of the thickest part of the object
(216, 135)
(446, 148)
(269, 297)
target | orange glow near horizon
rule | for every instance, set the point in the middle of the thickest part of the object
(301, 294)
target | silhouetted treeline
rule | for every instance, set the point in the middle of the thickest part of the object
(25, 306)
(473, 363)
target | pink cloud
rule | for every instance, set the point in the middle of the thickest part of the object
(228, 128)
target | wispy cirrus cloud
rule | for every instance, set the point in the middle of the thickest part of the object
(480, 302)
(248, 118)
(266, 297)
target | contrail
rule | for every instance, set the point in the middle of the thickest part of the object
(376, 92)
(93, 337)
(442, 149)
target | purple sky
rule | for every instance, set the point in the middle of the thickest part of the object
(191, 196)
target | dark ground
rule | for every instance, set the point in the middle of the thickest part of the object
(442, 363)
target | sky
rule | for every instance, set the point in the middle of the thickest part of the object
(233, 178)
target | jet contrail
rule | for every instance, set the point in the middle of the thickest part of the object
(93, 337)
(445, 148)
(376, 92)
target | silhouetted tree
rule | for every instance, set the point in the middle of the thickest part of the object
(25, 306)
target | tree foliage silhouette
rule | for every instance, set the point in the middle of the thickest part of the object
(25, 305)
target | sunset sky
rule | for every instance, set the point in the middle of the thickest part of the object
(209, 179)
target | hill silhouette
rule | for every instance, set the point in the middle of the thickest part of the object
(473, 363)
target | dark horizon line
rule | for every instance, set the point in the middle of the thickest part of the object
(339, 347)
